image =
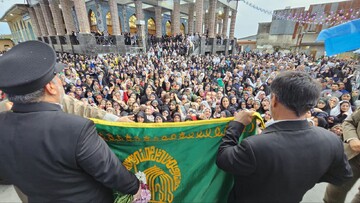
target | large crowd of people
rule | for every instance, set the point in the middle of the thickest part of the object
(167, 85)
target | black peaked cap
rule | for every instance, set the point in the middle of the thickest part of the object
(27, 67)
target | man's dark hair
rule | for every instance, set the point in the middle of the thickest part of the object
(296, 90)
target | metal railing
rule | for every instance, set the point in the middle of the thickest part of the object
(46, 39)
(53, 39)
(73, 40)
(62, 40)
(105, 40)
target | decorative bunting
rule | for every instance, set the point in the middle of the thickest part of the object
(305, 17)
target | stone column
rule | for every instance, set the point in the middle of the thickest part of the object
(172, 21)
(212, 18)
(191, 18)
(140, 23)
(126, 23)
(56, 14)
(86, 41)
(216, 27)
(232, 24)
(219, 31)
(199, 7)
(158, 21)
(26, 31)
(225, 22)
(176, 17)
(41, 21)
(114, 17)
(34, 21)
(206, 22)
(68, 18)
(21, 31)
(82, 17)
(47, 17)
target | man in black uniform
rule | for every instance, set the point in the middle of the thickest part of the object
(50, 155)
(289, 157)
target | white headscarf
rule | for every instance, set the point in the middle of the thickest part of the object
(337, 110)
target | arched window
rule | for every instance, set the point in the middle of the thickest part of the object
(21, 25)
(182, 28)
(132, 24)
(151, 26)
(109, 23)
(168, 28)
(92, 21)
(32, 35)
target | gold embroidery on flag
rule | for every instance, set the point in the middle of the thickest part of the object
(215, 132)
(162, 184)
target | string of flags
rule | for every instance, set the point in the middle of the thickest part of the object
(330, 18)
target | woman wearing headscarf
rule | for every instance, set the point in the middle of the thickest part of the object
(242, 104)
(347, 97)
(177, 117)
(166, 115)
(205, 113)
(260, 95)
(233, 102)
(320, 122)
(159, 118)
(140, 117)
(225, 105)
(333, 102)
(323, 105)
(225, 114)
(250, 103)
(265, 105)
(257, 106)
(265, 88)
(341, 111)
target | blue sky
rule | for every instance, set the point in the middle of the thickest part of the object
(247, 17)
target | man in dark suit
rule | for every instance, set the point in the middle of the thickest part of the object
(289, 157)
(50, 155)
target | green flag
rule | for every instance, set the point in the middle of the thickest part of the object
(252, 128)
(177, 158)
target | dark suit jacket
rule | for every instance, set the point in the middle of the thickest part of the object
(282, 163)
(53, 156)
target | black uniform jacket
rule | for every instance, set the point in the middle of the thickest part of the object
(57, 157)
(282, 163)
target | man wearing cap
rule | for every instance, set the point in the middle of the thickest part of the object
(50, 155)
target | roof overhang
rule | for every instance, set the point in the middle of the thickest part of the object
(17, 10)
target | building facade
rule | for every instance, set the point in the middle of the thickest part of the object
(19, 23)
(296, 29)
(74, 25)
